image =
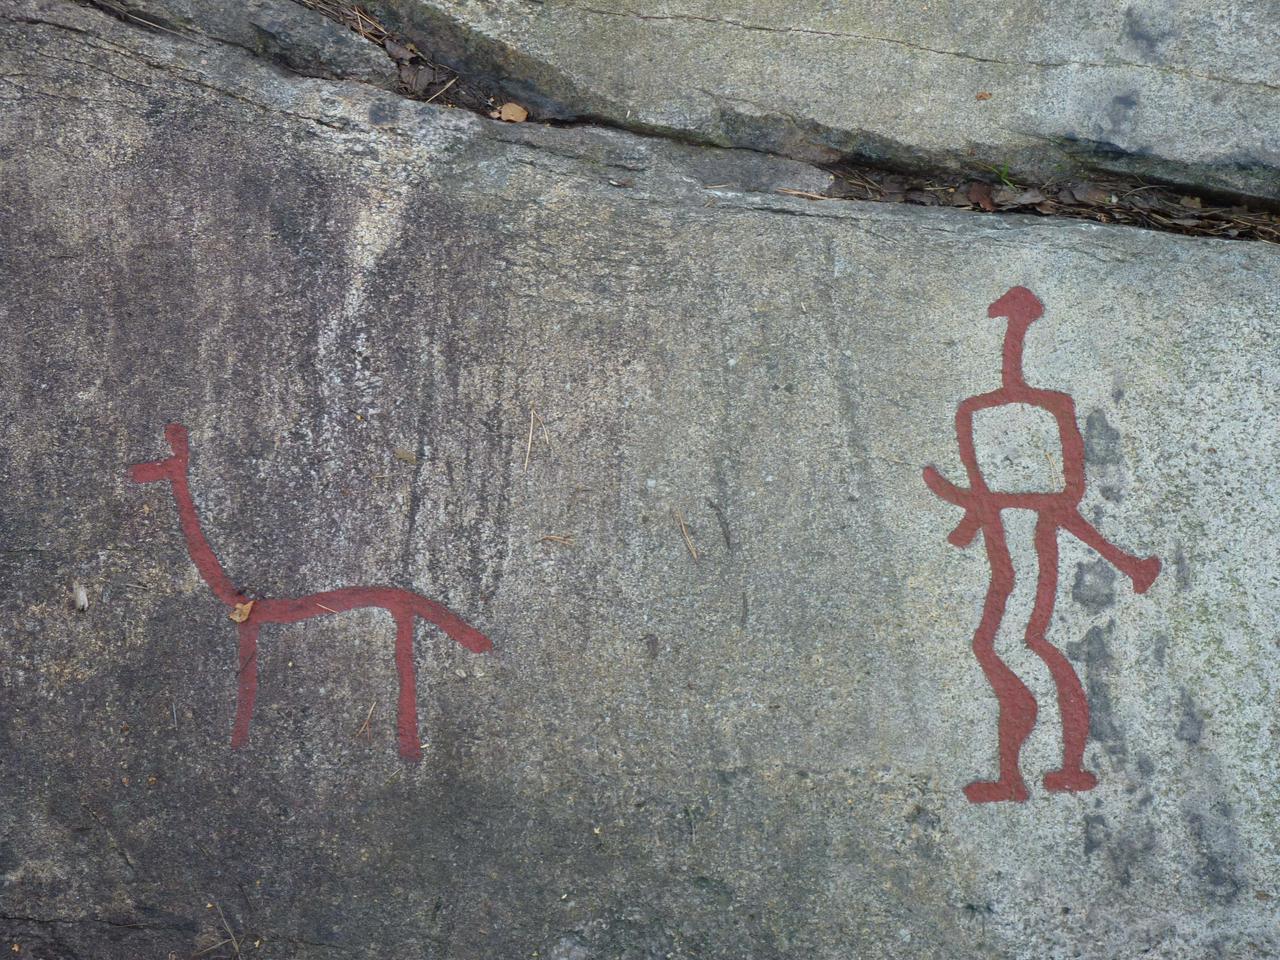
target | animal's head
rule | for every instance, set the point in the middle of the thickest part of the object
(1019, 305)
(170, 467)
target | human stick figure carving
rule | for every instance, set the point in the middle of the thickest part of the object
(1055, 510)
(250, 614)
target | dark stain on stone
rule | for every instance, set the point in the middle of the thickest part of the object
(717, 890)
(651, 645)
(1095, 586)
(1181, 570)
(1214, 836)
(1094, 652)
(1143, 36)
(1145, 765)
(1129, 848)
(1095, 833)
(1101, 441)
(724, 524)
(924, 818)
(1159, 647)
(1190, 720)
(1120, 111)
(383, 111)
(1111, 493)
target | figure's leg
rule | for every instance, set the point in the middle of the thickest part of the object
(248, 683)
(407, 716)
(1017, 705)
(1072, 703)
(1142, 572)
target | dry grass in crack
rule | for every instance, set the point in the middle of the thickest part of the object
(684, 532)
(1110, 200)
(420, 76)
(366, 730)
(528, 445)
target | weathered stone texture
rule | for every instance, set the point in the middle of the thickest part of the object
(1184, 91)
(354, 302)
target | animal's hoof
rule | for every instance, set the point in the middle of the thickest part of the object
(1069, 781)
(994, 791)
(1145, 574)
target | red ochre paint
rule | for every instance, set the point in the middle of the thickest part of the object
(1059, 510)
(403, 605)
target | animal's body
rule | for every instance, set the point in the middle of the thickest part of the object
(251, 613)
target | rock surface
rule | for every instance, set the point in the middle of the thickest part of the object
(658, 431)
(1180, 91)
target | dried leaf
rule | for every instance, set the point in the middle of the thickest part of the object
(242, 611)
(1089, 193)
(983, 95)
(398, 51)
(922, 197)
(513, 113)
(1005, 196)
(1191, 202)
(416, 79)
(405, 455)
(980, 193)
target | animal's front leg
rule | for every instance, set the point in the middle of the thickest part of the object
(407, 716)
(247, 682)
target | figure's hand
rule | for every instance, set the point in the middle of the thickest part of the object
(965, 530)
(1144, 574)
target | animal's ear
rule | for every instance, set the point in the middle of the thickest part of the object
(176, 434)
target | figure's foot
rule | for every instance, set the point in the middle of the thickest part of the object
(1069, 781)
(1145, 573)
(993, 791)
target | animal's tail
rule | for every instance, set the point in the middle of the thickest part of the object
(454, 626)
(170, 468)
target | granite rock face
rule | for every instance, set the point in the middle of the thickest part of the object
(1185, 92)
(658, 431)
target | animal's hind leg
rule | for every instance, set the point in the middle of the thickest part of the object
(248, 683)
(407, 717)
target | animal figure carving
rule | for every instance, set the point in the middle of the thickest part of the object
(251, 613)
(1056, 510)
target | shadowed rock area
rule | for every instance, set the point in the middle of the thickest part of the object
(1184, 92)
(657, 431)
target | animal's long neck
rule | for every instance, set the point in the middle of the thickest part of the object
(1014, 340)
(201, 553)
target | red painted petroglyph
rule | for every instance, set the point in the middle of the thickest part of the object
(250, 613)
(1058, 510)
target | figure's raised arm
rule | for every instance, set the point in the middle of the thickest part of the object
(1141, 570)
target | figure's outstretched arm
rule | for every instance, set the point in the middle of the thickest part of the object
(968, 527)
(1142, 571)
